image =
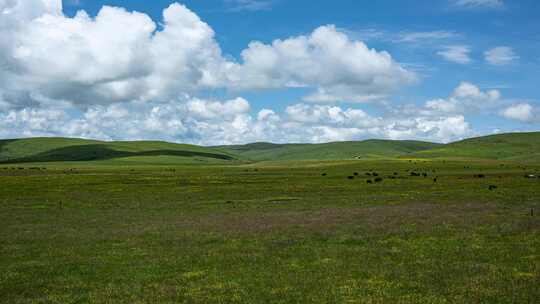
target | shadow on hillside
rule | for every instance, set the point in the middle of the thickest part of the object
(5, 142)
(101, 152)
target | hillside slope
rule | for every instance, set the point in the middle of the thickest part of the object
(66, 149)
(510, 146)
(329, 151)
(513, 146)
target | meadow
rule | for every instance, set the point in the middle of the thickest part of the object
(149, 229)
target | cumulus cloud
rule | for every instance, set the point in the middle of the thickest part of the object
(116, 56)
(213, 122)
(122, 56)
(327, 59)
(27, 10)
(469, 91)
(62, 57)
(193, 120)
(523, 112)
(444, 128)
(331, 115)
(120, 76)
(502, 55)
(456, 53)
(330, 123)
(465, 98)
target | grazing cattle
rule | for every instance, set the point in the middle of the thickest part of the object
(324, 174)
(350, 177)
(378, 180)
(369, 181)
(492, 187)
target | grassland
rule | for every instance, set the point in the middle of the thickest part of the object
(134, 229)
(329, 151)
(67, 149)
(514, 146)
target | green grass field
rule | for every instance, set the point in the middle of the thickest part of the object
(122, 223)
(516, 146)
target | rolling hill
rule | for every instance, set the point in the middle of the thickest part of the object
(510, 146)
(329, 151)
(513, 146)
(66, 149)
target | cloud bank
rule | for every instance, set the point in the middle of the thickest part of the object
(214, 122)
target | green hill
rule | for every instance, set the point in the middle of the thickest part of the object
(66, 149)
(511, 146)
(329, 151)
(514, 146)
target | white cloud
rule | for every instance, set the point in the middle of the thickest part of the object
(193, 120)
(523, 112)
(204, 109)
(119, 56)
(116, 56)
(29, 9)
(444, 129)
(442, 106)
(456, 53)
(331, 115)
(327, 59)
(469, 91)
(447, 128)
(185, 54)
(465, 98)
(502, 55)
(479, 3)
(59, 55)
(120, 76)
(213, 122)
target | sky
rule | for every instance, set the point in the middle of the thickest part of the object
(215, 72)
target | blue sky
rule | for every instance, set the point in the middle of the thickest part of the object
(270, 70)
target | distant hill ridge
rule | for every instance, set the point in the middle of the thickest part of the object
(372, 148)
(511, 146)
(72, 149)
